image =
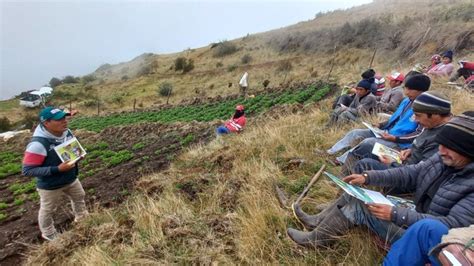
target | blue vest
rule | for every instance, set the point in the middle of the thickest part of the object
(57, 180)
(402, 122)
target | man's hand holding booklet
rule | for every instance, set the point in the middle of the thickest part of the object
(70, 151)
(378, 205)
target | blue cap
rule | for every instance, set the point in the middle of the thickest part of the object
(51, 113)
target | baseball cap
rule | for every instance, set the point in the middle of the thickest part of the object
(52, 113)
(396, 76)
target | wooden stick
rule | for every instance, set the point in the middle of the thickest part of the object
(332, 63)
(372, 59)
(311, 183)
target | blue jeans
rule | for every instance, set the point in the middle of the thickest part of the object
(348, 140)
(356, 212)
(364, 148)
(368, 164)
(413, 248)
(222, 130)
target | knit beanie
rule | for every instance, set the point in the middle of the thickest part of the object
(458, 135)
(432, 103)
(369, 73)
(418, 82)
(448, 54)
(365, 83)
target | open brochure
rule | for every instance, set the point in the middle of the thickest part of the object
(365, 195)
(380, 149)
(70, 150)
(377, 131)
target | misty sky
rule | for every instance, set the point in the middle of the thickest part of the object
(44, 39)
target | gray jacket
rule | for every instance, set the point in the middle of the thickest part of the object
(452, 203)
(390, 100)
(362, 106)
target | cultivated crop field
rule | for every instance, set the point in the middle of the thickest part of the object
(206, 112)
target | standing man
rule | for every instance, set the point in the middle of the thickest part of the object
(53, 177)
(243, 84)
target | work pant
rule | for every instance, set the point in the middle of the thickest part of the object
(357, 212)
(414, 246)
(51, 199)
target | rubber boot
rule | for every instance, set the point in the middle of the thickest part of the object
(333, 225)
(311, 221)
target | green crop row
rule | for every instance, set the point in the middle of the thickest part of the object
(10, 163)
(204, 112)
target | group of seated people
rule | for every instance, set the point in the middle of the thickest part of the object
(437, 169)
(442, 66)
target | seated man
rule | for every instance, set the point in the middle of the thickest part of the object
(427, 240)
(392, 96)
(401, 127)
(432, 112)
(445, 68)
(467, 71)
(443, 185)
(362, 104)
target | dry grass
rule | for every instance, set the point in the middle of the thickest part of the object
(216, 203)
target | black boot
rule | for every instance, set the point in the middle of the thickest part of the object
(311, 221)
(333, 225)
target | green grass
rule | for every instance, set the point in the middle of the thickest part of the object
(10, 163)
(21, 188)
(204, 112)
(8, 104)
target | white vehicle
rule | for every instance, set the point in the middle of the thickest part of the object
(36, 98)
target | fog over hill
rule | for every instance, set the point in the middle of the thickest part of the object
(47, 39)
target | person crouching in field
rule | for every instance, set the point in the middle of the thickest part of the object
(235, 124)
(362, 104)
(53, 177)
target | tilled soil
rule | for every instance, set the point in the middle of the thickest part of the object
(105, 186)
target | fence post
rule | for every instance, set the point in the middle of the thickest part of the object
(134, 103)
(98, 107)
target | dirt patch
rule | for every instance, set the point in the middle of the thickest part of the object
(150, 148)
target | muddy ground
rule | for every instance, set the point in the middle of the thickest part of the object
(153, 146)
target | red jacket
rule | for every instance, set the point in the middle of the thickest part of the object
(237, 124)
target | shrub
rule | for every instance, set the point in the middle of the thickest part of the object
(219, 64)
(5, 124)
(246, 59)
(124, 77)
(224, 48)
(89, 78)
(183, 64)
(189, 66)
(265, 83)
(117, 98)
(179, 63)
(231, 68)
(165, 89)
(54, 82)
(70, 80)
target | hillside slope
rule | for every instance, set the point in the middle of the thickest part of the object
(403, 32)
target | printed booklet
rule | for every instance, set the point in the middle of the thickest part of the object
(380, 149)
(365, 195)
(70, 150)
(377, 131)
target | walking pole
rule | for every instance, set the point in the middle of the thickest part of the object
(332, 63)
(372, 59)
